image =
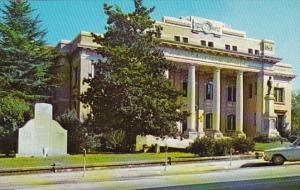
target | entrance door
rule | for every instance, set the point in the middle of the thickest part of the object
(280, 122)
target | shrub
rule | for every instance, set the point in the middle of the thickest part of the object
(222, 146)
(204, 146)
(114, 141)
(266, 139)
(14, 112)
(242, 144)
(77, 133)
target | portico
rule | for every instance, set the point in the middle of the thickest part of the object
(204, 106)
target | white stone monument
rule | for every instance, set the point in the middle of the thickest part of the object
(42, 136)
(270, 118)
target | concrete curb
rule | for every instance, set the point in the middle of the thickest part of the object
(54, 169)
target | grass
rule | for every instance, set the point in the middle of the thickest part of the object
(91, 159)
(264, 146)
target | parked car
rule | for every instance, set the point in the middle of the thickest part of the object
(288, 153)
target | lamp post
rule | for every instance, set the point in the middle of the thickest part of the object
(84, 162)
(166, 153)
(84, 158)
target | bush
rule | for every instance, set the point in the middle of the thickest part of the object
(266, 139)
(14, 112)
(242, 144)
(204, 146)
(114, 141)
(77, 133)
(222, 146)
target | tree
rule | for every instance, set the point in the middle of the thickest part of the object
(28, 66)
(296, 112)
(14, 112)
(130, 91)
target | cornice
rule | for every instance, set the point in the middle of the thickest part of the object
(217, 51)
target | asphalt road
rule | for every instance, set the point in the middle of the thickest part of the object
(284, 183)
(243, 174)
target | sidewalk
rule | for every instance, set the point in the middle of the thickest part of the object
(114, 175)
(131, 164)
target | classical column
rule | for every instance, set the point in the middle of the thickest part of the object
(191, 98)
(239, 111)
(216, 100)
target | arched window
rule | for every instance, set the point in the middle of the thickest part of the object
(231, 122)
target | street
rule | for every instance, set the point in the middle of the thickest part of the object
(241, 174)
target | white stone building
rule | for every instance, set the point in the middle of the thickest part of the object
(223, 72)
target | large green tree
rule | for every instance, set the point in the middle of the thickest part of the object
(129, 91)
(296, 112)
(27, 66)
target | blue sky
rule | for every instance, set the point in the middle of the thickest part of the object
(278, 20)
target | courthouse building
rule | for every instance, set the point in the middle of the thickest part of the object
(223, 73)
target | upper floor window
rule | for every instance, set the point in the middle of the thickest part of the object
(231, 122)
(208, 121)
(185, 40)
(203, 43)
(250, 93)
(227, 47)
(279, 94)
(250, 51)
(209, 91)
(256, 52)
(177, 38)
(234, 48)
(231, 94)
(210, 44)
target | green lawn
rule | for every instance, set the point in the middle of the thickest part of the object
(91, 159)
(264, 146)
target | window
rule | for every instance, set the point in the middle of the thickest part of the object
(209, 91)
(227, 47)
(184, 124)
(210, 44)
(250, 91)
(184, 87)
(256, 52)
(203, 43)
(234, 48)
(280, 122)
(177, 38)
(254, 119)
(250, 51)
(279, 94)
(75, 77)
(255, 88)
(185, 40)
(208, 121)
(231, 122)
(231, 94)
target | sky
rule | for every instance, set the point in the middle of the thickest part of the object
(278, 20)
